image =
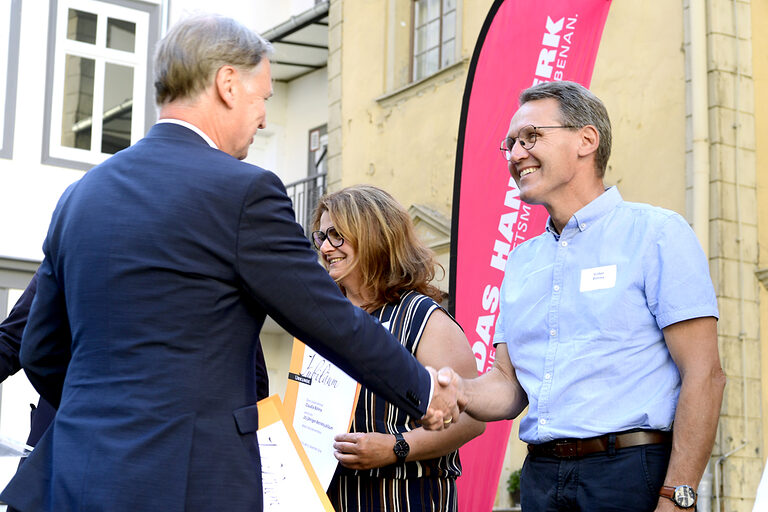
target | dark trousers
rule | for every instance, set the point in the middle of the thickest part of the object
(627, 480)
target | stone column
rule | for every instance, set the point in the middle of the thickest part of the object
(737, 458)
(335, 24)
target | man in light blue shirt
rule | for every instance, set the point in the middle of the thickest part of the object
(607, 328)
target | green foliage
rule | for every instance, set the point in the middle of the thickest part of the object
(513, 482)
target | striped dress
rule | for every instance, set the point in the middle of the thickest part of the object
(426, 485)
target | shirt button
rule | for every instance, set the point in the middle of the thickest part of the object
(583, 226)
(552, 332)
(547, 376)
(564, 243)
(557, 287)
(543, 421)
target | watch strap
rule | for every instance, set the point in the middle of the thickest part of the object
(669, 492)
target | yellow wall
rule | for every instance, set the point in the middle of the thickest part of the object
(760, 75)
(639, 75)
(406, 142)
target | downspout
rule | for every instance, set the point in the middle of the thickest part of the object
(700, 167)
(740, 246)
(700, 122)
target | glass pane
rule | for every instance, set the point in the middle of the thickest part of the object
(420, 40)
(118, 108)
(121, 35)
(433, 34)
(419, 67)
(434, 10)
(448, 53)
(420, 13)
(448, 5)
(76, 117)
(81, 26)
(432, 64)
(449, 26)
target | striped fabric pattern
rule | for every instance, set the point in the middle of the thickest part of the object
(427, 485)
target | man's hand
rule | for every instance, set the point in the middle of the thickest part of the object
(447, 399)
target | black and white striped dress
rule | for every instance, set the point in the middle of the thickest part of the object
(426, 485)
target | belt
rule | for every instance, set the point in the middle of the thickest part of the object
(569, 448)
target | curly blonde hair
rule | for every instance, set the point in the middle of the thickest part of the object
(390, 257)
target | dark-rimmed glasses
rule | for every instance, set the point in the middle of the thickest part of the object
(526, 137)
(330, 234)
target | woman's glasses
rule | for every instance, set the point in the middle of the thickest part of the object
(330, 234)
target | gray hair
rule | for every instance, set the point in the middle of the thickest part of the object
(188, 57)
(578, 107)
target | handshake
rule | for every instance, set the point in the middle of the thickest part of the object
(448, 399)
(495, 395)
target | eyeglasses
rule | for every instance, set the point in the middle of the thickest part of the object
(330, 234)
(526, 137)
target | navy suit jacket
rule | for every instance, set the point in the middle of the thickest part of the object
(160, 266)
(11, 330)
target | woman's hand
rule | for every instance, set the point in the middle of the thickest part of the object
(358, 450)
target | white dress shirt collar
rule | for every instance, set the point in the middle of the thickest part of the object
(192, 127)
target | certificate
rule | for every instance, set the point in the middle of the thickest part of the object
(288, 479)
(12, 448)
(320, 399)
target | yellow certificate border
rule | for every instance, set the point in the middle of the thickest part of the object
(271, 411)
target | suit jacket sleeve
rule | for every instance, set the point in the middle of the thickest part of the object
(46, 344)
(11, 330)
(280, 270)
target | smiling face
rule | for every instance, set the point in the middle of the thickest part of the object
(339, 260)
(545, 173)
(253, 90)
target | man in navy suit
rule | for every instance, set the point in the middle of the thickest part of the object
(41, 415)
(160, 266)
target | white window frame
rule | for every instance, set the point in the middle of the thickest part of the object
(10, 18)
(101, 54)
(457, 39)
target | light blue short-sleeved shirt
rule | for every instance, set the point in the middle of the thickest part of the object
(582, 315)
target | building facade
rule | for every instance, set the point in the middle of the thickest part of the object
(685, 83)
(685, 86)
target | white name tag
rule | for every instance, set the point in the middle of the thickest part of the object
(598, 278)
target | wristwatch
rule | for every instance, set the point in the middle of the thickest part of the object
(401, 448)
(683, 496)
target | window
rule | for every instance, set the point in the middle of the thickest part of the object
(98, 95)
(434, 36)
(10, 17)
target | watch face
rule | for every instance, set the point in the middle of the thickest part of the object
(684, 496)
(401, 449)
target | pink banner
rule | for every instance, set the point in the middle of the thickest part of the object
(521, 44)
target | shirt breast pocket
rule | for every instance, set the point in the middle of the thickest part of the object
(611, 304)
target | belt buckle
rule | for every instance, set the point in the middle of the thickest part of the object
(566, 449)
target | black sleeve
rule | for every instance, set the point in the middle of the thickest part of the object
(46, 350)
(11, 330)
